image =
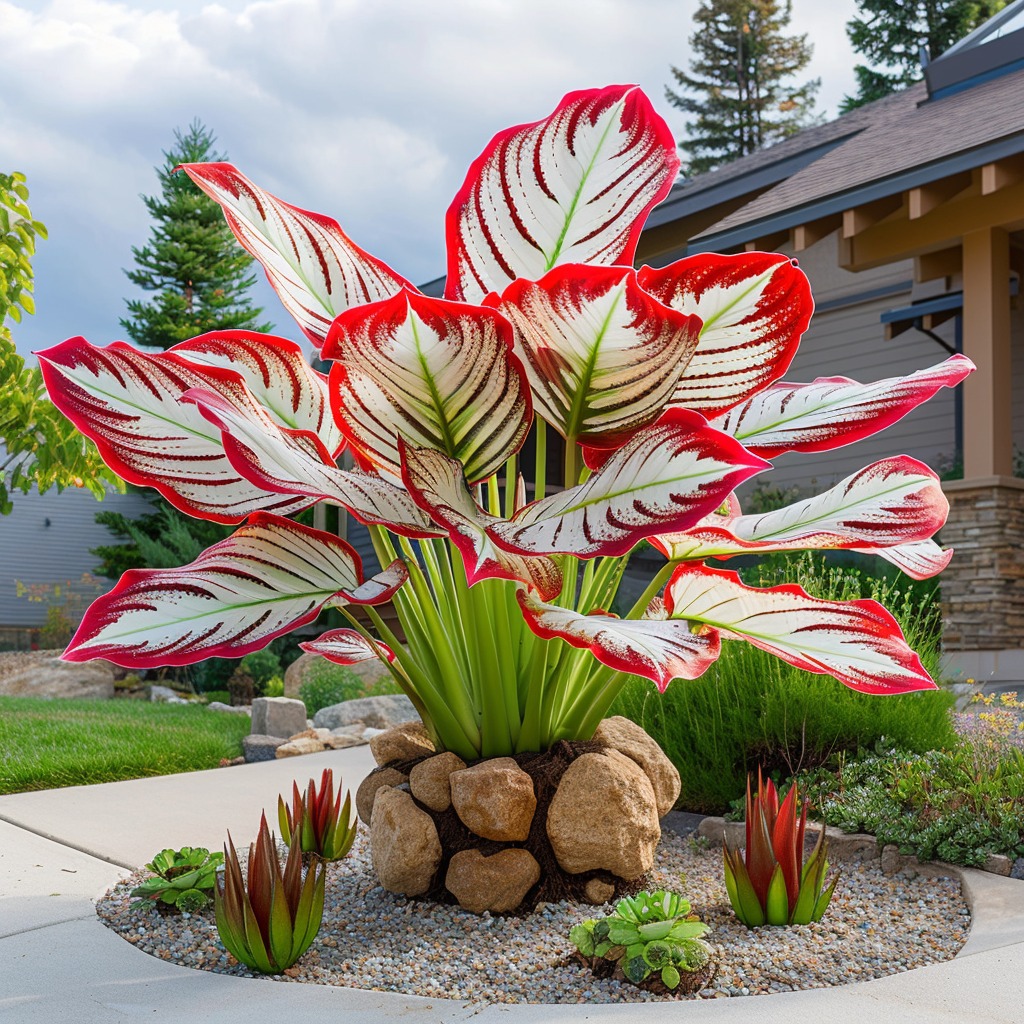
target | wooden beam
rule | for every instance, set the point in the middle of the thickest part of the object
(921, 201)
(860, 218)
(768, 243)
(901, 238)
(805, 235)
(1002, 174)
(988, 394)
(944, 263)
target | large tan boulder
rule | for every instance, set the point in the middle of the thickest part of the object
(429, 780)
(498, 883)
(495, 799)
(34, 675)
(367, 791)
(300, 745)
(628, 738)
(604, 815)
(404, 844)
(401, 742)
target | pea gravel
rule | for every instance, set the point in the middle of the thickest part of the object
(371, 939)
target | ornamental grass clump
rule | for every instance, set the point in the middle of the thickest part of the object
(270, 922)
(317, 821)
(660, 388)
(772, 884)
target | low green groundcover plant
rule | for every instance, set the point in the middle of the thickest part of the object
(182, 880)
(752, 710)
(327, 683)
(46, 744)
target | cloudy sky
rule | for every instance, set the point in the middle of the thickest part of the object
(366, 110)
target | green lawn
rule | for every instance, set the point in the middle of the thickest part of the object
(46, 744)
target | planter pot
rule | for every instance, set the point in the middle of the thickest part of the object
(579, 821)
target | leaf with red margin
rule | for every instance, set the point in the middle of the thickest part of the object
(277, 374)
(833, 411)
(128, 403)
(754, 307)
(296, 462)
(377, 589)
(315, 268)
(575, 187)
(441, 374)
(438, 486)
(347, 647)
(892, 502)
(920, 560)
(858, 642)
(666, 477)
(269, 577)
(603, 357)
(654, 648)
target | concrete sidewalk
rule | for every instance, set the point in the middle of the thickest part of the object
(59, 849)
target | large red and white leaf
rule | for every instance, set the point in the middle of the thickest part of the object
(296, 462)
(377, 589)
(658, 649)
(270, 576)
(315, 268)
(278, 376)
(895, 501)
(347, 647)
(575, 187)
(754, 307)
(833, 411)
(920, 560)
(438, 485)
(858, 642)
(603, 356)
(666, 477)
(128, 402)
(440, 374)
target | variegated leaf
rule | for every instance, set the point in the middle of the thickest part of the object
(834, 411)
(441, 374)
(895, 501)
(438, 485)
(377, 589)
(858, 642)
(754, 307)
(270, 576)
(655, 648)
(296, 462)
(920, 560)
(347, 647)
(666, 477)
(315, 268)
(575, 187)
(603, 357)
(277, 374)
(128, 402)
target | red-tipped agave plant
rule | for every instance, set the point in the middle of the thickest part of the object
(664, 384)
(317, 821)
(772, 884)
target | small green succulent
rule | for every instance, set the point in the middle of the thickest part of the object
(648, 933)
(183, 879)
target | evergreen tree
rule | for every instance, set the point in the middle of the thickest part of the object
(736, 88)
(192, 261)
(891, 33)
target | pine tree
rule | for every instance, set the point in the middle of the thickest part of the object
(890, 35)
(192, 261)
(736, 88)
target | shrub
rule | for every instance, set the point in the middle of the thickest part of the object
(753, 710)
(262, 666)
(327, 684)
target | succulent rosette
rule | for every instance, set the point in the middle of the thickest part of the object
(660, 387)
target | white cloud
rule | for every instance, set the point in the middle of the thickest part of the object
(367, 111)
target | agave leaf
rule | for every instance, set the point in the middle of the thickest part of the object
(575, 187)
(747, 906)
(777, 903)
(785, 838)
(822, 902)
(255, 945)
(284, 819)
(760, 858)
(280, 925)
(311, 907)
(231, 929)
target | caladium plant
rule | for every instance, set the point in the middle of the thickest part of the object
(663, 386)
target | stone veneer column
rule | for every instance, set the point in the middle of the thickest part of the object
(983, 587)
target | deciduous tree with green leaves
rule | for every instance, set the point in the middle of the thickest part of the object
(192, 263)
(890, 35)
(738, 86)
(37, 444)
